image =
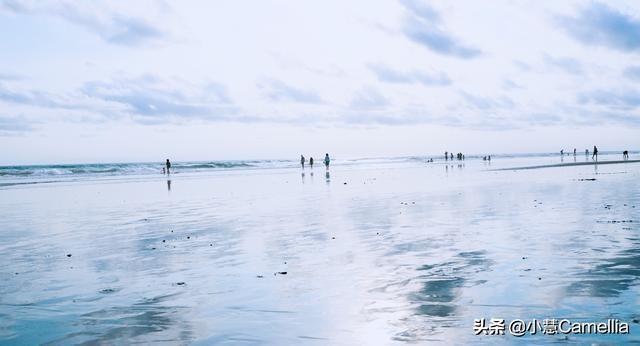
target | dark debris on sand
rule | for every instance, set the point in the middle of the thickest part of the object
(616, 221)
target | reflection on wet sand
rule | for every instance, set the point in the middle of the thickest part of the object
(444, 280)
(148, 321)
(609, 278)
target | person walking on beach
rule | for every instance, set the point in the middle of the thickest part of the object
(595, 153)
(327, 160)
(302, 161)
(446, 155)
(168, 164)
(311, 162)
(574, 151)
(625, 155)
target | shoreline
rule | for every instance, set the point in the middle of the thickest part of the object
(590, 163)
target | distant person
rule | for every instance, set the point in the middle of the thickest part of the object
(452, 156)
(574, 151)
(302, 161)
(586, 152)
(327, 160)
(489, 158)
(446, 155)
(625, 155)
(311, 162)
(168, 164)
(561, 152)
(595, 153)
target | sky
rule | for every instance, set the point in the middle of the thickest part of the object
(126, 81)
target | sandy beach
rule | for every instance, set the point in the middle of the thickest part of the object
(396, 253)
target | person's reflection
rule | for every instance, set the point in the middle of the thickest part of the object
(328, 176)
(169, 185)
(302, 175)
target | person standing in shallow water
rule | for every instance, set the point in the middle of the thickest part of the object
(595, 153)
(302, 161)
(311, 162)
(168, 164)
(327, 160)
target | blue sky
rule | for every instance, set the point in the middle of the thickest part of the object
(200, 80)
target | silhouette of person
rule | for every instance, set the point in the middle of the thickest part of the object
(574, 151)
(168, 164)
(302, 161)
(625, 155)
(446, 155)
(595, 153)
(311, 162)
(327, 160)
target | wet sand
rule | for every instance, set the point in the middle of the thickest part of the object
(383, 255)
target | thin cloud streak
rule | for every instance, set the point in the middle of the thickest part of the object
(112, 27)
(423, 25)
(598, 24)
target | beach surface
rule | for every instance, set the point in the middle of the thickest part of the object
(373, 253)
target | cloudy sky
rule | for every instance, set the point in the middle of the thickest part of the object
(99, 81)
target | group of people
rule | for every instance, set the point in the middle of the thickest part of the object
(327, 160)
(459, 156)
(447, 156)
(594, 156)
